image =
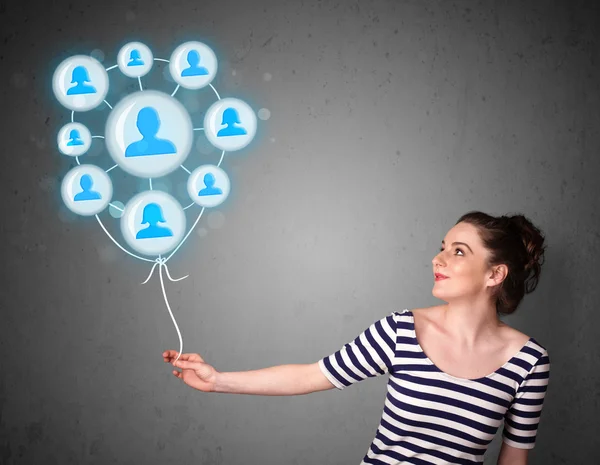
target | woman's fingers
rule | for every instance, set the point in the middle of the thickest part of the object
(185, 364)
(170, 355)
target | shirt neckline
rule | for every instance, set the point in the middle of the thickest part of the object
(488, 376)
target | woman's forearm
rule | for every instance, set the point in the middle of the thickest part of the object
(281, 380)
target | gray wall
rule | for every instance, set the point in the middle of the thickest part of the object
(388, 120)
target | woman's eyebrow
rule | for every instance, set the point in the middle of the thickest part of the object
(454, 243)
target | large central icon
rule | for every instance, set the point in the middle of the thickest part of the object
(149, 134)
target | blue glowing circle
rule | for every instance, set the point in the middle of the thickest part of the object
(86, 190)
(149, 134)
(74, 139)
(208, 186)
(193, 65)
(230, 124)
(153, 223)
(80, 83)
(135, 59)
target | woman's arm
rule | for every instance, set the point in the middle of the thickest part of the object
(281, 380)
(512, 455)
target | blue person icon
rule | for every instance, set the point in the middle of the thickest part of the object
(79, 78)
(152, 214)
(135, 59)
(210, 189)
(231, 117)
(148, 123)
(75, 138)
(86, 183)
(193, 59)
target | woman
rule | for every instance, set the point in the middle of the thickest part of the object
(457, 372)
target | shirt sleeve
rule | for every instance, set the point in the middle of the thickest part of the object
(370, 354)
(522, 418)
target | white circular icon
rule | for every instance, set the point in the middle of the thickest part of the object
(208, 186)
(230, 124)
(149, 134)
(74, 139)
(86, 190)
(193, 65)
(80, 83)
(153, 223)
(135, 59)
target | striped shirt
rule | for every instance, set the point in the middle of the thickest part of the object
(431, 417)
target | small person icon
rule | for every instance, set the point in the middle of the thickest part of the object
(152, 215)
(209, 182)
(80, 77)
(75, 138)
(135, 59)
(193, 59)
(231, 117)
(148, 124)
(86, 183)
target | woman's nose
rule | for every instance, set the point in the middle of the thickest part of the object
(436, 260)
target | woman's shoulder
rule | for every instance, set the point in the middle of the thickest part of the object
(423, 314)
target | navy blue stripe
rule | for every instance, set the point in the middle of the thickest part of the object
(521, 413)
(410, 354)
(398, 456)
(521, 426)
(519, 439)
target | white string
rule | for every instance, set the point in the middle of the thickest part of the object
(119, 245)
(187, 235)
(161, 262)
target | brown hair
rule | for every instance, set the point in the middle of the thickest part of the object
(515, 242)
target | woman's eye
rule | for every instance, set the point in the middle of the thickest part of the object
(442, 249)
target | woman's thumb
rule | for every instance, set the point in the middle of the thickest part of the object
(186, 365)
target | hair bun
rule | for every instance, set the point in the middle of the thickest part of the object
(533, 240)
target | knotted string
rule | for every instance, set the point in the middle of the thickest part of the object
(162, 263)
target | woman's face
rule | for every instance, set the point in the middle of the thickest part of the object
(462, 258)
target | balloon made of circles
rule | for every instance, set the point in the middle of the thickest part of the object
(149, 134)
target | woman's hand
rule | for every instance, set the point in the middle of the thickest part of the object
(195, 372)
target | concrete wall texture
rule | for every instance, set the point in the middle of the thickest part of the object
(381, 122)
